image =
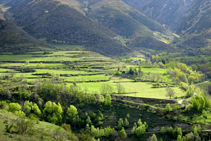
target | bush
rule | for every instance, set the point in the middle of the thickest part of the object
(177, 132)
(168, 108)
(170, 130)
(13, 107)
(122, 133)
(162, 130)
(3, 104)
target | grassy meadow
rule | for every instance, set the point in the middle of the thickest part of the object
(88, 69)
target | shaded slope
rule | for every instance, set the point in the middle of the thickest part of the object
(58, 22)
(14, 39)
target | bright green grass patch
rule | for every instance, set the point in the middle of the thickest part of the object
(12, 64)
(46, 65)
(33, 64)
(2, 69)
(60, 71)
(15, 57)
(54, 59)
(94, 87)
(144, 89)
(87, 78)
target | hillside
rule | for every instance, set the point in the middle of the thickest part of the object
(129, 23)
(198, 18)
(107, 27)
(1, 12)
(56, 22)
(168, 13)
(15, 40)
(190, 18)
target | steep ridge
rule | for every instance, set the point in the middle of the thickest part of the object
(167, 12)
(198, 18)
(55, 22)
(196, 23)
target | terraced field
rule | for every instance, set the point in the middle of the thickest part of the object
(88, 70)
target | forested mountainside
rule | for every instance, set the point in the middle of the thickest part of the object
(108, 27)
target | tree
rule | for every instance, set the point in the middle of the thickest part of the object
(120, 88)
(88, 121)
(13, 107)
(168, 108)
(126, 123)
(153, 138)
(170, 92)
(106, 88)
(162, 130)
(170, 130)
(53, 112)
(71, 113)
(120, 124)
(155, 65)
(176, 132)
(161, 65)
(107, 100)
(179, 138)
(122, 133)
(31, 109)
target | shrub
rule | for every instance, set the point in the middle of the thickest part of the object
(168, 108)
(13, 107)
(170, 130)
(162, 130)
(3, 104)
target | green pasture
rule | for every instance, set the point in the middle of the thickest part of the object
(144, 89)
(139, 89)
(86, 78)
(136, 58)
(2, 70)
(61, 71)
(149, 70)
(15, 57)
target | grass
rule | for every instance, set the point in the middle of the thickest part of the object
(44, 128)
(61, 71)
(105, 66)
(139, 89)
(144, 89)
(86, 78)
(142, 59)
(149, 70)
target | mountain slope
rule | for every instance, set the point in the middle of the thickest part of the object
(15, 40)
(166, 12)
(130, 23)
(56, 22)
(198, 18)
